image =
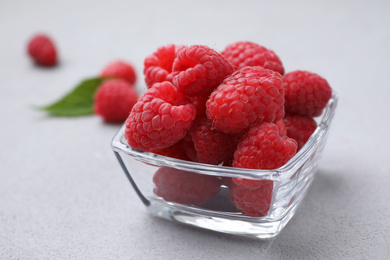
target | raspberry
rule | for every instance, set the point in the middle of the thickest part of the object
(211, 146)
(114, 99)
(175, 151)
(42, 50)
(160, 118)
(250, 95)
(158, 66)
(264, 147)
(120, 69)
(306, 93)
(299, 128)
(242, 54)
(185, 187)
(252, 197)
(199, 70)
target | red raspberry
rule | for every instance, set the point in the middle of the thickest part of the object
(299, 128)
(120, 69)
(185, 187)
(175, 151)
(242, 54)
(42, 50)
(211, 146)
(158, 66)
(252, 197)
(160, 118)
(250, 95)
(114, 99)
(199, 70)
(306, 93)
(264, 147)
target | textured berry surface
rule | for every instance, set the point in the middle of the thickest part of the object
(211, 146)
(264, 147)
(121, 70)
(42, 50)
(251, 197)
(160, 118)
(158, 65)
(250, 95)
(242, 54)
(299, 128)
(281, 126)
(199, 69)
(185, 187)
(114, 99)
(306, 93)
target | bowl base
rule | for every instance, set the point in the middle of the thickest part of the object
(261, 228)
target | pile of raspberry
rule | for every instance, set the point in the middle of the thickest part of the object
(235, 108)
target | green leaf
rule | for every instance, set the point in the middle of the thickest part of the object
(78, 102)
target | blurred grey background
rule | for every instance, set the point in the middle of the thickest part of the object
(64, 196)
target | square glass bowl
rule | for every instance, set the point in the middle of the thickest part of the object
(151, 174)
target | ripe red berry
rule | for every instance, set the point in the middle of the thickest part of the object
(264, 147)
(251, 95)
(120, 69)
(174, 151)
(114, 99)
(242, 54)
(206, 144)
(306, 93)
(42, 50)
(158, 65)
(251, 197)
(199, 70)
(160, 118)
(185, 187)
(299, 128)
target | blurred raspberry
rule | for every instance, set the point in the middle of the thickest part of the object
(160, 118)
(264, 147)
(211, 146)
(251, 197)
(251, 95)
(185, 187)
(306, 93)
(158, 65)
(42, 50)
(120, 69)
(199, 70)
(114, 99)
(242, 54)
(299, 128)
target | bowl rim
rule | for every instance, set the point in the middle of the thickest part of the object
(120, 145)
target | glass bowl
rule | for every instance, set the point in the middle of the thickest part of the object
(151, 174)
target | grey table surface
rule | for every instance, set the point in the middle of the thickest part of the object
(62, 193)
